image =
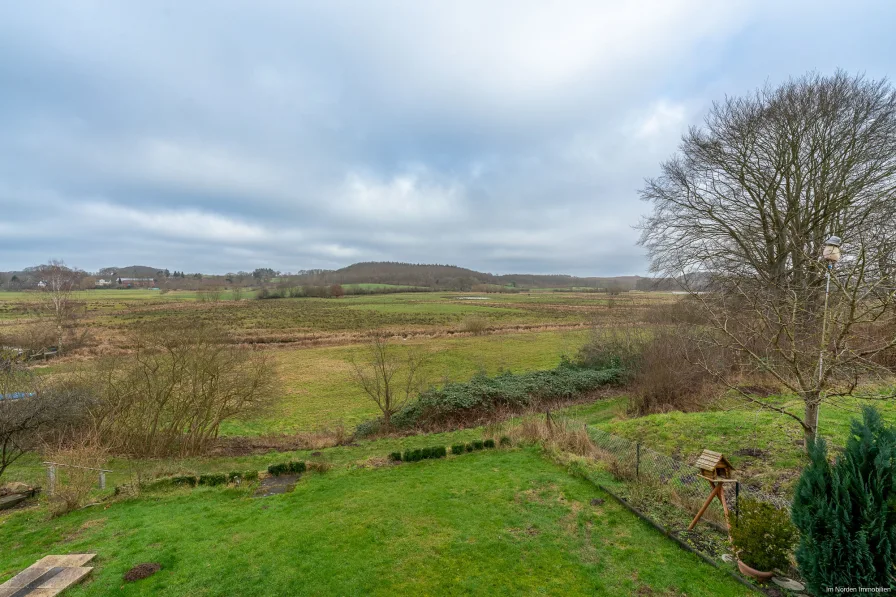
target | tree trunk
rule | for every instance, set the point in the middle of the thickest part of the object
(810, 422)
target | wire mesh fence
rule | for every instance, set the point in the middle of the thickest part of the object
(677, 481)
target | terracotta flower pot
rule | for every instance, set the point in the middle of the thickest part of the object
(758, 575)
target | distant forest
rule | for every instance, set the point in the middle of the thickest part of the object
(421, 276)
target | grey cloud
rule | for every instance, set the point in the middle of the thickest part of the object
(501, 136)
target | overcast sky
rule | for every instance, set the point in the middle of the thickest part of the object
(502, 136)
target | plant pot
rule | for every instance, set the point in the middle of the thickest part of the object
(758, 575)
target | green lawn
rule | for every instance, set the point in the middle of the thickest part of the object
(734, 427)
(488, 523)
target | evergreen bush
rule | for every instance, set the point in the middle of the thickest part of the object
(477, 444)
(395, 456)
(438, 452)
(457, 449)
(846, 511)
(483, 394)
(425, 453)
(213, 479)
(489, 443)
(504, 441)
(468, 447)
(763, 536)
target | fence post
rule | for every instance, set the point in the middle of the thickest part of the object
(737, 502)
(102, 479)
(638, 461)
(51, 479)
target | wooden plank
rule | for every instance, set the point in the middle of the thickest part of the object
(48, 577)
(72, 560)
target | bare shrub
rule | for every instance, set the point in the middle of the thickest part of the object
(615, 347)
(475, 324)
(33, 338)
(560, 435)
(32, 412)
(76, 480)
(668, 379)
(683, 311)
(170, 396)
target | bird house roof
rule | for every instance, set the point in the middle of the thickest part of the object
(709, 460)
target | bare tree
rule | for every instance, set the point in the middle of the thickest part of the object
(29, 410)
(59, 284)
(744, 210)
(390, 375)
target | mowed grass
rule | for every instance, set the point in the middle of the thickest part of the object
(489, 523)
(319, 390)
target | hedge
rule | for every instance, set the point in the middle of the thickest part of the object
(213, 479)
(287, 468)
(483, 394)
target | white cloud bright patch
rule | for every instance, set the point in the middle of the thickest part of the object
(504, 136)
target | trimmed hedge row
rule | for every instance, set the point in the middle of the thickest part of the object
(212, 479)
(423, 454)
(287, 468)
(441, 451)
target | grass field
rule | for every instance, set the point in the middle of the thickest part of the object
(109, 314)
(318, 389)
(495, 523)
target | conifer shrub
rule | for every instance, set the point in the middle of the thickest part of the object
(395, 456)
(468, 447)
(425, 453)
(846, 511)
(477, 444)
(184, 481)
(277, 469)
(763, 535)
(489, 443)
(457, 449)
(438, 452)
(213, 479)
(296, 467)
(286, 468)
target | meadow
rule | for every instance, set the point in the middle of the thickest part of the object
(505, 522)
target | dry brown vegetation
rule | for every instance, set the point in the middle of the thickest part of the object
(78, 478)
(172, 394)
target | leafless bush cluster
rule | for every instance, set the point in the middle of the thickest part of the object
(78, 478)
(662, 370)
(33, 413)
(171, 395)
(558, 434)
(475, 324)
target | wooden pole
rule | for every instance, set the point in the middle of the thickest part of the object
(712, 494)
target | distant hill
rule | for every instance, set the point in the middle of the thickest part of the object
(131, 271)
(452, 277)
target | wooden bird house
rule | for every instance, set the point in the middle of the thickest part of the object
(716, 469)
(713, 465)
